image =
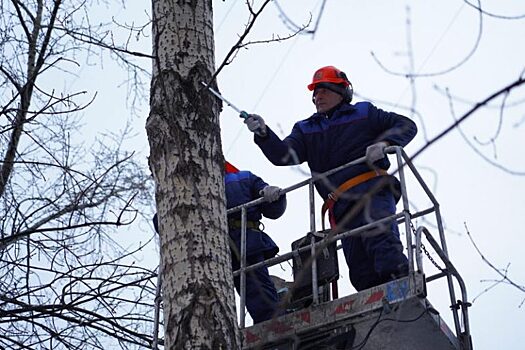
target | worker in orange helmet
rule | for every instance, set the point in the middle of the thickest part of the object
(338, 133)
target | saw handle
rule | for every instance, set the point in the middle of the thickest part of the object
(244, 115)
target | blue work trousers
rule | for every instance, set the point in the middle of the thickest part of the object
(375, 256)
(261, 295)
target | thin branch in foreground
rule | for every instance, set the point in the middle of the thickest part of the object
(501, 272)
(494, 15)
(478, 105)
(448, 69)
(479, 152)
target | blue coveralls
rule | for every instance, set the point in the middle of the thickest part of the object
(328, 141)
(261, 295)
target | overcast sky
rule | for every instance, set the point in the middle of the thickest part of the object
(271, 79)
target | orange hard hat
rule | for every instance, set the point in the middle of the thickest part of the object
(328, 74)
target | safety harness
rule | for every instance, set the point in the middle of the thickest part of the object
(329, 203)
(234, 224)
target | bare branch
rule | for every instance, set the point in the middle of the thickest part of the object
(478, 152)
(297, 28)
(478, 7)
(444, 71)
(239, 44)
(501, 272)
(480, 104)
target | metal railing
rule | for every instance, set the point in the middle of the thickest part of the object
(414, 251)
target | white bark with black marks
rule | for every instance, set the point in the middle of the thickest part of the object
(187, 164)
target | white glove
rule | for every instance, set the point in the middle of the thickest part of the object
(256, 124)
(375, 152)
(270, 193)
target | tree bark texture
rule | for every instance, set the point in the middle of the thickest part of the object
(187, 164)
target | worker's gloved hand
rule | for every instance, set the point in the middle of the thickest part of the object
(256, 124)
(375, 152)
(270, 193)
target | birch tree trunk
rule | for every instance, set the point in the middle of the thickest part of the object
(187, 164)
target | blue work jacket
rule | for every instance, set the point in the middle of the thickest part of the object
(326, 143)
(243, 187)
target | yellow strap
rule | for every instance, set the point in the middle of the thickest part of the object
(348, 184)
